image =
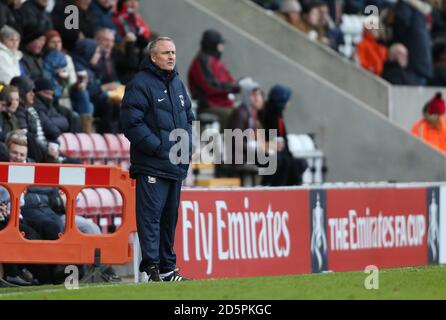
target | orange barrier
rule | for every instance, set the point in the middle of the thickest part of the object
(73, 247)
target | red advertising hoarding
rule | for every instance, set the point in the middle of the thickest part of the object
(243, 233)
(384, 227)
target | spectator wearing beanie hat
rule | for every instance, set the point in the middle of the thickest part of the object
(32, 61)
(45, 104)
(39, 128)
(432, 128)
(289, 170)
(290, 10)
(209, 79)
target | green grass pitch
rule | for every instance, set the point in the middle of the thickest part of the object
(404, 283)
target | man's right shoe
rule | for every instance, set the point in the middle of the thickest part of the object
(19, 281)
(153, 273)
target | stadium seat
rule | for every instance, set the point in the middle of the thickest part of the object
(125, 146)
(104, 223)
(73, 148)
(63, 144)
(118, 201)
(87, 147)
(100, 148)
(352, 28)
(114, 148)
(117, 221)
(93, 201)
(303, 146)
(108, 202)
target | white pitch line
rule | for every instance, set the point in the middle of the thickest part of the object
(63, 289)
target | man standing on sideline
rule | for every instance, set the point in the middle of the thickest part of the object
(156, 103)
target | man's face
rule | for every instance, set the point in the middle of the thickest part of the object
(17, 153)
(30, 98)
(17, 4)
(293, 17)
(164, 55)
(49, 94)
(324, 13)
(133, 5)
(15, 101)
(257, 100)
(36, 46)
(43, 3)
(55, 43)
(83, 4)
(12, 43)
(402, 57)
(106, 41)
(314, 17)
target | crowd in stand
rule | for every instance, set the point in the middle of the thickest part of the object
(82, 71)
(55, 79)
(404, 42)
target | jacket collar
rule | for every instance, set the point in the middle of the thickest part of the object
(164, 75)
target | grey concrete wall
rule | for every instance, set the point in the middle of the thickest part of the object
(314, 56)
(360, 143)
(406, 103)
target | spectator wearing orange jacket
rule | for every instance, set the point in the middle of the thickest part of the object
(371, 54)
(432, 128)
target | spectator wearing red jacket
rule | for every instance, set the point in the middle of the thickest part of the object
(128, 20)
(210, 82)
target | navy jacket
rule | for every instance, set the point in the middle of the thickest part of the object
(154, 104)
(104, 18)
(410, 29)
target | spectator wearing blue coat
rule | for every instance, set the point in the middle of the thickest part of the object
(156, 103)
(86, 57)
(54, 64)
(410, 29)
(103, 13)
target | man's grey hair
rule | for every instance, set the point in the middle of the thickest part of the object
(394, 49)
(152, 44)
(103, 30)
(7, 32)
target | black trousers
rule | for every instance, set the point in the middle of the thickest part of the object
(157, 202)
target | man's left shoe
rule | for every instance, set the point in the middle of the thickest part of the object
(110, 275)
(173, 276)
